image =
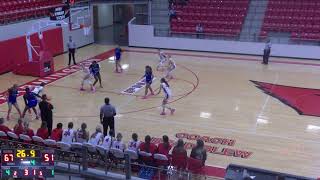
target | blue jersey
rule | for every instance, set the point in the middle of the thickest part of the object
(94, 69)
(31, 99)
(13, 93)
(149, 77)
(117, 52)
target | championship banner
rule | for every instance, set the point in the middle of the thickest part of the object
(59, 13)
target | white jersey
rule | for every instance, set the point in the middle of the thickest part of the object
(68, 136)
(162, 57)
(107, 142)
(81, 136)
(86, 72)
(172, 65)
(119, 145)
(95, 138)
(134, 145)
(166, 90)
(38, 90)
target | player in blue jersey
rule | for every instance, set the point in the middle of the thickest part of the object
(30, 100)
(95, 71)
(117, 54)
(12, 100)
(148, 78)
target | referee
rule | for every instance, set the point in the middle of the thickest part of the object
(107, 113)
(72, 50)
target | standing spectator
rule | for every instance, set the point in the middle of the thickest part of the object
(199, 30)
(46, 112)
(97, 137)
(3, 127)
(179, 155)
(172, 13)
(82, 135)
(57, 133)
(266, 52)
(108, 140)
(18, 128)
(72, 50)
(134, 143)
(199, 152)
(68, 134)
(148, 147)
(118, 144)
(107, 113)
(43, 131)
(27, 131)
(164, 147)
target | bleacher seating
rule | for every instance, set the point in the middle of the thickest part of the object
(218, 17)
(17, 10)
(299, 17)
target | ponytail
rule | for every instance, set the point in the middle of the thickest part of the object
(165, 81)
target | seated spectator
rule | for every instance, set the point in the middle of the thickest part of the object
(43, 131)
(108, 140)
(27, 131)
(18, 128)
(148, 147)
(179, 155)
(56, 133)
(3, 127)
(199, 29)
(199, 152)
(82, 135)
(164, 147)
(134, 143)
(97, 137)
(118, 144)
(68, 134)
(172, 13)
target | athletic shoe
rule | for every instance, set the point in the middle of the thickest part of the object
(93, 90)
(144, 97)
(81, 89)
(172, 111)
(163, 113)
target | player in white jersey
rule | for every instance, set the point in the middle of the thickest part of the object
(87, 78)
(170, 68)
(164, 86)
(118, 144)
(68, 134)
(82, 135)
(134, 143)
(96, 137)
(38, 90)
(162, 60)
(108, 140)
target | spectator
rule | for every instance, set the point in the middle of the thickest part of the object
(68, 134)
(118, 144)
(18, 128)
(46, 112)
(199, 152)
(199, 30)
(107, 141)
(148, 147)
(164, 147)
(82, 135)
(57, 133)
(266, 52)
(134, 143)
(96, 137)
(172, 13)
(179, 155)
(3, 127)
(27, 131)
(43, 131)
(107, 113)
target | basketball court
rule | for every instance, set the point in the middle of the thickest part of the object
(214, 97)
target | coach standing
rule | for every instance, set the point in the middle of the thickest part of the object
(46, 112)
(72, 50)
(107, 113)
(266, 52)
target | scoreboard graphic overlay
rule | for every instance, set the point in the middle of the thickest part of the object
(27, 163)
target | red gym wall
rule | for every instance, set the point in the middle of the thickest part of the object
(14, 50)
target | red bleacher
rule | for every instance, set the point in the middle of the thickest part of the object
(218, 17)
(299, 17)
(16, 10)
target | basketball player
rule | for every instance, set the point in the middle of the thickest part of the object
(108, 140)
(68, 134)
(30, 101)
(12, 100)
(134, 143)
(171, 67)
(118, 143)
(38, 90)
(86, 78)
(96, 137)
(148, 78)
(166, 89)
(117, 54)
(162, 60)
(95, 71)
(82, 135)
